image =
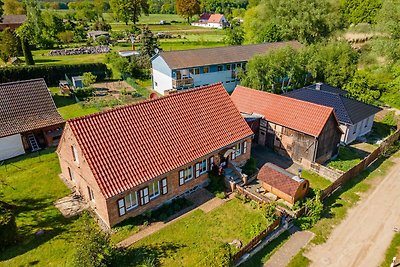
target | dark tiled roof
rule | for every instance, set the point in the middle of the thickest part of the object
(13, 19)
(26, 106)
(348, 111)
(219, 55)
(279, 178)
(327, 88)
(130, 145)
(298, 115)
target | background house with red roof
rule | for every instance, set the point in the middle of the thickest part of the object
(135, 158)
(303, 131)
(29, 119)
(215, 21)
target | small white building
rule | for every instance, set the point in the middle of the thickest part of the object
(215, 21)
(355, 117)
(184, 69)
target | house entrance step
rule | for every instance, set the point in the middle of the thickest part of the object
(33, 142)
(231, 175)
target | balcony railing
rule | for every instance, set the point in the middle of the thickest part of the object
(186, 82)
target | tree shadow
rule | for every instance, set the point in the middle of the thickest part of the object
(136, 256)
(379, 131)
(63, 100)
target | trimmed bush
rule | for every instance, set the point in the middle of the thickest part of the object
(8, 228)
(250, 167)
(52, 74)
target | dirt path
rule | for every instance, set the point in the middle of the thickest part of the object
(283, 255)
(363, 237)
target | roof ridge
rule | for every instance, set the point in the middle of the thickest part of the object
(146, 101)
(23, 81)
(220, 47)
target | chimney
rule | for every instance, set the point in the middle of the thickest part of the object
(318, 86)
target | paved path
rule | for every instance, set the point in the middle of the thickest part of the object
(363, 237)
(202, 199)
(283, 255)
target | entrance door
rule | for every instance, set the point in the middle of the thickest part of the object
(262, 137)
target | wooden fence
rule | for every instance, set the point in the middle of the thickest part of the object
(256, 240)
(365, 163)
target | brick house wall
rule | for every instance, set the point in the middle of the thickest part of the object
(328, 141)
(108, 210)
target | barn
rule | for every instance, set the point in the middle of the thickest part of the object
(29, 119)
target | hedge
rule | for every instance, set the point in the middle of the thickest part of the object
(52, 74)
(8, 227)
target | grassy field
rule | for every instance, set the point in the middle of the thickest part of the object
(33, 187)
(188, 241)
(348, 158)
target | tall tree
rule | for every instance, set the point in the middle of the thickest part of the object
(357, 11)
(9, 44)
(187, 8)
(305, 20)
(234, 35)
(149, 42)
(389, 17)
(129, 10)
(24, 34)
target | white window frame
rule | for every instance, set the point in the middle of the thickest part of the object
(211, 162)
(233, 154)
(185, 175)
(134, 195)
(153, 187)
(238, 149)
(144, 196)
(203, 166)
(164, 186)
(75, 154)
(121, 206)
(244, 147)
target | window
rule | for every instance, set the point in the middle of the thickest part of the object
(131, 201)
(234, 153)
(75, 154)
(220, 68)
(144, 196)
(201, 167)
(121, 207)
(154, 189)
(211, 161)
(195, 71)
(238, 65)
(228, 66)
(164, 186)
(206, 69)
(155, 84)
(91, 194)
(244, 147)
(185, 175)
(71, 174)
(238, 149)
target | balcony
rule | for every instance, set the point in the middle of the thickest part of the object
(182, 83)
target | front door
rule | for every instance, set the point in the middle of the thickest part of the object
(262, 137)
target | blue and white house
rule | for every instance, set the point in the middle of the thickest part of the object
(184, 69)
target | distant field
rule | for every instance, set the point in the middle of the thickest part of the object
(150, 19)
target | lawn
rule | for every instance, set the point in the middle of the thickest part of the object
(188, 241)
(348, 158)
(69, 109)
(316, 181)
(392, 251)
(33, 186)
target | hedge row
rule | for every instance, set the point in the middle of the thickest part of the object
(52, 73)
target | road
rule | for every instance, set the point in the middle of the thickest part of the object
(363, 237)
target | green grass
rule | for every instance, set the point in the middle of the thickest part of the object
(265, 254)
(189, 240)
(33, 186)
(299, 260)
(316, 181)
(150, 19)
(392, 251)
(69, 109)
(348, 158)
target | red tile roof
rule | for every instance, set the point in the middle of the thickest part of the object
(215, 18)
(130, 145)
(279, 178)
(295, 114)
(26, 106)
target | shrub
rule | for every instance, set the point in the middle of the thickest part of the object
(250, 167)
(220, 257)
(52, 74)
(8, 227)
(216, 184)
(84, 92)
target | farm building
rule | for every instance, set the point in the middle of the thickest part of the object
(215, 21)
(11, 21)
(355, 117)
(29, 119)
(300, 130)
(282, 184)
(179, 70)
(131, 159)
